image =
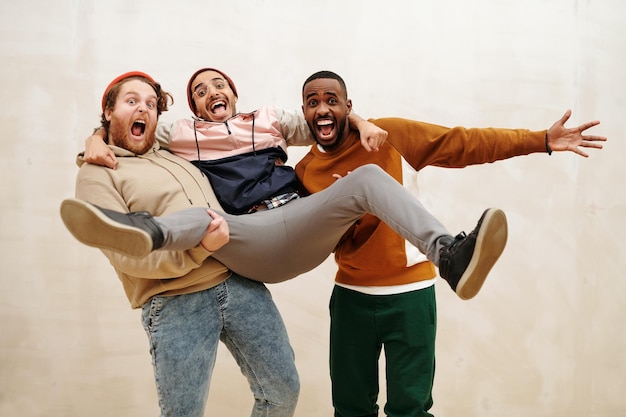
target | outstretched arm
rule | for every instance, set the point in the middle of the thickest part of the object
(372, 136)
(97, 152)
(559, 138)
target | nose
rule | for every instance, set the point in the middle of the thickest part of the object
(323, 109)
(212, 90)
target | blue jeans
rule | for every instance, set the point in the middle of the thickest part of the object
(184, 332)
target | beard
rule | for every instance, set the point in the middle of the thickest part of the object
(120, 137)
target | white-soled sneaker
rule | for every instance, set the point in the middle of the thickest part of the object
(131, 234)
(466, 260)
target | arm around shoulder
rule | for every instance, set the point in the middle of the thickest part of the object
(294, 128)
(97, 151)
(372, 136)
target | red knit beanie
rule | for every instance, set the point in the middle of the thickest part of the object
(121, 78)
(192, 105)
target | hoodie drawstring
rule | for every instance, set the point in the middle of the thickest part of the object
(195, 134)
(253, 146)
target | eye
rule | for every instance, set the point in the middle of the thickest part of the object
(201, 93)
(152, 104)
(332, 101)
(220, 85)
(312, 103)
(132, 101)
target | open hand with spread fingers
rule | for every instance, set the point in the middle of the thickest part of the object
(559, 138)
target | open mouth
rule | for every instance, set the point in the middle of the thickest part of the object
(217, 106)
(325, 127)
(138, 128)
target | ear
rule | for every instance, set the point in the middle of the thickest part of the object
(349, 106)
(107, 114)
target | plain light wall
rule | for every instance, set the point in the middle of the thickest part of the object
(545, 337)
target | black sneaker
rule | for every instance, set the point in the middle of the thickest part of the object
(131, 234)
(465, 261)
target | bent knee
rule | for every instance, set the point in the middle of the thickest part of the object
(369, 169)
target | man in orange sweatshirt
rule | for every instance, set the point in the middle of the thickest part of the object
(384, 292)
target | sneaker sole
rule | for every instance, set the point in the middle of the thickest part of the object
(93, 228)
(490, 243)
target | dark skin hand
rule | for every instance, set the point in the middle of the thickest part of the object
(561, 138)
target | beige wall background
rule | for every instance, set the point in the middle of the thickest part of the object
(546, 336)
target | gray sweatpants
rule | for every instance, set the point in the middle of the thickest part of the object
(279, 244)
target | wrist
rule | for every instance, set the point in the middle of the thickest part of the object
(101, 133)
(548, 149)
(355, 121)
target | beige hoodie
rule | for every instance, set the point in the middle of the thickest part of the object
(160, 183)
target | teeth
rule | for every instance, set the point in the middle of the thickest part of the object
(218, 103)
(324, 122)
(140, 121)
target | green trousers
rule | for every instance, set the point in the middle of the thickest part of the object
(361, 324)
